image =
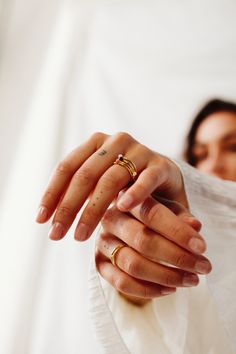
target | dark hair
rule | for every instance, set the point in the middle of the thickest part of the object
(213, 106)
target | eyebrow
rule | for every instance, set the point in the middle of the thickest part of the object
(229, 136)
(224, 138)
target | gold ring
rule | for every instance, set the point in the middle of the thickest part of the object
(129, 165)
(114, 252)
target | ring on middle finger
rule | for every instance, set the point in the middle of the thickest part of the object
(128, 165)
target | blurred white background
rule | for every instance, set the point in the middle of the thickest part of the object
(69, 68)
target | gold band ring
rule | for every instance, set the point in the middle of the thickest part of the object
(129, 165)
(114, 252)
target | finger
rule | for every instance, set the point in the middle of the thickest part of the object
(161, 175)
(162, 220)
(177, 208)
(80, 188)
(126, 284)
(191, 221)
(148, 180)
(137, 266)
(181, 211)
(63, 174)
(109, 185)
(151, 244)
(84, 182)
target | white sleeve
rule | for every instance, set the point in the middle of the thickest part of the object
(213, 201)
(203, 317)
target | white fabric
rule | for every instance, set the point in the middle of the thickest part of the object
(67, 69)
(194, 320)
(219, 200)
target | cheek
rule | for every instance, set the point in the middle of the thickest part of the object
(230, 161)
(228, 167)
(203, 165)
(225, 165)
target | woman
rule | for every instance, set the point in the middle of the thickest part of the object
(211, 141)
(170, 185)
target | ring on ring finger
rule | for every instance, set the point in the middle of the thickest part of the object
(114, 253)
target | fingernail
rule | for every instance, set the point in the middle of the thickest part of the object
(203, 267)
(197, 245)
(125, 202)
(190, 280)
(198, 224)
(42, 214)
(56, 232)
(81, 232)
(167, 291)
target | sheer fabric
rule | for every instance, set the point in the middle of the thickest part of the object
(191, 321)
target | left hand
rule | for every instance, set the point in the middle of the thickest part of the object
(88, 171)
(148, 264)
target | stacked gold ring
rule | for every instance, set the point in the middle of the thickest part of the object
(129, 165)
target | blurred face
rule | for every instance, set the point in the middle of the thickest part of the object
(215, 146)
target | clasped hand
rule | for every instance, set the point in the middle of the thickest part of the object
(164, 248)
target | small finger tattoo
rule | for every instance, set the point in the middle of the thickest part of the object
(102, 153)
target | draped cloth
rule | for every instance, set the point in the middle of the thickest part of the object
(194, 320)
(69, 68)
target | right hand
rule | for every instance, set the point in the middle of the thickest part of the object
(88, 172)
(157, 236)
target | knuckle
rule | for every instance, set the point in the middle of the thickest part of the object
(92, 213)
(63, 168)
(147, 293)
(181, 260)
(143, 149)
(153, 174)
(105, 219)
(121, 284)
(110, 183)
(132, 267)
(145, 208)
(154, 213)
(97, 136)
(83, 176)
(167, 164)
(103, 242)
(169, 281)
(142, 242)
(123, 136)
(150, 211)
(175, 230)
(108, 217)
(64, 212)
